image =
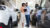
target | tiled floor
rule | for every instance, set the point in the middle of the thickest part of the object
(20, 24)
(25, 27)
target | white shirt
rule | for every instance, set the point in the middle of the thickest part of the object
(28, 10)
(39, 12)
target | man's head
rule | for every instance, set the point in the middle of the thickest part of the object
(40, 8)
(36, 6)
(2, 2)
(26, 3)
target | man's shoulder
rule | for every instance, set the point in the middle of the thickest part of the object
(28, 6)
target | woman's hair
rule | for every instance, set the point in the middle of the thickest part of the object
(23, 4)
(43, 11)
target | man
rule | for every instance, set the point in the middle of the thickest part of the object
(27, 15)
(39, 11)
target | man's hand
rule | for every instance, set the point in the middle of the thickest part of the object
(31, 11)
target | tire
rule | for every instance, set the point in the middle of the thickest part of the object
(10, 23)
(3, 25)
(15, 23)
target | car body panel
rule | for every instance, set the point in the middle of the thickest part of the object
(5, 15)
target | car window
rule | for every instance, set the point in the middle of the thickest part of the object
(2, 7)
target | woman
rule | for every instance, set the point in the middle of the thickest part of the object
(43, 16)
(22, 20)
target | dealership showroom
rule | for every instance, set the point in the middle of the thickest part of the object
(24, 13)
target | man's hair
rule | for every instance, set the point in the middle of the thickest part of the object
(2, 2)
(36, 5)
(40, 8)
(26, 2)
(23, 4)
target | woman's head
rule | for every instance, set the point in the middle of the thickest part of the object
(44, 12)
(23, 4)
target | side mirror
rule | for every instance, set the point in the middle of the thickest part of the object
(16, 10)
(2, 7)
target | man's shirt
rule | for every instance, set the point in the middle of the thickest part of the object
(28, 10)
(39, 12)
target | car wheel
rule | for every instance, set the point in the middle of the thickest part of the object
(10, 23)
(15, 23)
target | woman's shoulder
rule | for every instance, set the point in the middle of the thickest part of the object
(22, 7)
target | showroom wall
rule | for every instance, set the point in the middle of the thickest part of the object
(17, 3)
(30, 2)
(47, 4)
(43, 3)
(11, 3)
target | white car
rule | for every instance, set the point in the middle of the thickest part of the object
(7, 17)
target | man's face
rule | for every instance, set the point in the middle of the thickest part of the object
(26, 4)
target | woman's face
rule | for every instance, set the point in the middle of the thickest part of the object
(44, 12)
(24, 5)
